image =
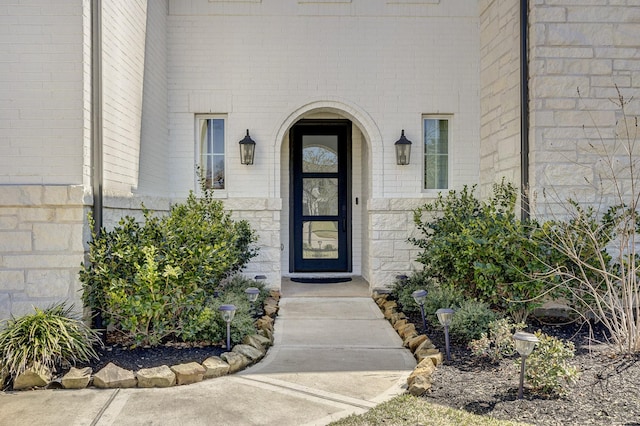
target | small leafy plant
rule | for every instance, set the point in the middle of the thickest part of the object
(497, 343)
(547, 369)
(470, 320)
(48, 338)
(402, 290)
(442, 296)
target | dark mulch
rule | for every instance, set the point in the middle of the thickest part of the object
(607, 391)
(135, 359)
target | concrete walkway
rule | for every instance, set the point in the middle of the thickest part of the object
(334, 355)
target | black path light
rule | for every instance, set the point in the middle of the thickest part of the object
(445, 315)
(525, 342)
(228, 312)
(403, 150)
(247, 150)
(419, 296)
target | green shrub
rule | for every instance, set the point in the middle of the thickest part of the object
(470, 320)
(402, 290)
(441, 297)
(482, 249)
(498, 342)
(49, 338)
(239, 283)
(547, 369)
(157, 279)
(243, 322)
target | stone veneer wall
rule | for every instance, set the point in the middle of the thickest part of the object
(42, 230)
(390, 225)
(590, 46)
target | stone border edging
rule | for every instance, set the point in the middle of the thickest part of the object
(253, 348)
(424, 351)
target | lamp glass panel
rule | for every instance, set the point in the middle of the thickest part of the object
(403, 154)
(247, 152)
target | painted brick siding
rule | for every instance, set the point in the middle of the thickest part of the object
(265, 65)
(154, 143)
(123, 38)
(41, 107)
(590, 46)
(500, 92)
(260, 67)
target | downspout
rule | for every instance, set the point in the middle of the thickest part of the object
(97, 174)
(96, 112)
(524, 110)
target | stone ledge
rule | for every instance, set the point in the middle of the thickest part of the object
(113, 376)
(423, 350)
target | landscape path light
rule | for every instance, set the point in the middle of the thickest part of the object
(419, 296)
(260, 279)
(252, 295)
(228, 312)
(525, 342)
(445, 315)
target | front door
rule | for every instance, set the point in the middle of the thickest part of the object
(320, 193)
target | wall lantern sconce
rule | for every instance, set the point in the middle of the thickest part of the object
(247, 150)
(403, 150)
(525, 342)
(445, 315)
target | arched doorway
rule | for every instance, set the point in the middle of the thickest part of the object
(303, 225)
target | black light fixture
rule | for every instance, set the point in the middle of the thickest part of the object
(247, 150)
(403, 150)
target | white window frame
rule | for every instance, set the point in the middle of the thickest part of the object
(199, 134)
(449, 118)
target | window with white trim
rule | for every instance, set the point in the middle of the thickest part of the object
(436, 152)
(211, 133)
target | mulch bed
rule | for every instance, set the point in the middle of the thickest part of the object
(138, 358)
(607, 391)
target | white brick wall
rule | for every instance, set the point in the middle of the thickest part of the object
(123, 36)
(382, 65)
(154, 143)
(42, 97)
(500, 92)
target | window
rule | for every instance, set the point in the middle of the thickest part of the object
(211, 134)
(436, 152)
